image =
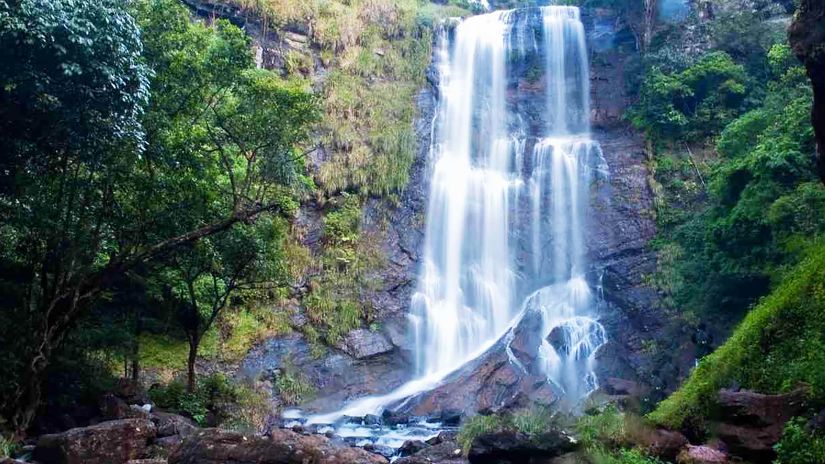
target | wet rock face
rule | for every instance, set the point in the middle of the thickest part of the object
(214, 446)
(335, 376)
(104, 443)
(498, 380)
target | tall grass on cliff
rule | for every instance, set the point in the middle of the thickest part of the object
(779, 345)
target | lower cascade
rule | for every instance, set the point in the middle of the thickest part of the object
(512, 164)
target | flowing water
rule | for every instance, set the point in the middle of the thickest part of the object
(508, 203)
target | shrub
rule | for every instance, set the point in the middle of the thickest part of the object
(800, 444)
(292, 386)
(476, 426)
(779, 344)
(7, 447)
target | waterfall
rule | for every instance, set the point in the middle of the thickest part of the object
(509, 195)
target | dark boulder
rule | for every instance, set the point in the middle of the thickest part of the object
(215, 446)
(665, 444)
(445, 436)
(622, 387)
(394, 417)
(169, 424)
(511, 447)
(446, 452)
(411, 447)
(751, 423)
(111, 442)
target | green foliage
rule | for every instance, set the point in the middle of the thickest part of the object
(7, 447)
(476, 426)
(605, 428)
(780, 344)
(800, 444)
(532, 422)
(138, 142)
(721, 248)
(292, 387)
(378, 52)
(698, 101)
(341, 225)
(215, 394)
(624, 456)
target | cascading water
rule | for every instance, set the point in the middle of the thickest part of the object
(508, 203)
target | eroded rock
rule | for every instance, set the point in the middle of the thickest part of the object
(215, 446)
(751, 423)
(701, 455)
(109, 442)
(364, 343)
(511, 447)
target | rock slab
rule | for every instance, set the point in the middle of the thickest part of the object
(111, 442)
(511, 447)
(215, 446)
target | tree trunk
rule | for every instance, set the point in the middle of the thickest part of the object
(135, 367)
(193, 355)
(650, 18)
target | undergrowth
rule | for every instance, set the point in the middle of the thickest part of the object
(779, 345)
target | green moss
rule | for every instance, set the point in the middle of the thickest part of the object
(292, 386)
(476, 426)
(532, 422)
(246, 327)
(780, 344)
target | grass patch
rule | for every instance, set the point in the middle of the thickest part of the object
(532, 422)
(292, 386)
(779, 344)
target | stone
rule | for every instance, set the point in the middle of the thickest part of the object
(169, 424)
(751, 423)
(411, 447)
(511, 447)
(701, 455)
(364, 343)
(665, 444)
(372, 419)
(447, 452)
(749, 408)
(444, 436)
(168, 444)
(108, 442)
(617, 386)
(147, 461)
(113, 407)
(215, 446)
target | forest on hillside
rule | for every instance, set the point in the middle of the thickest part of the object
(215, 212)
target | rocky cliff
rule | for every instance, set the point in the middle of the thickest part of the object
(368, 361)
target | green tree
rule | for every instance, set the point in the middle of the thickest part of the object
(696, 102)
(98, 183)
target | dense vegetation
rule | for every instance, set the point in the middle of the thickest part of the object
(151, 177)
(153, 173)
(145, 156)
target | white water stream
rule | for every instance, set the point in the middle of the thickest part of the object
(500, 185)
